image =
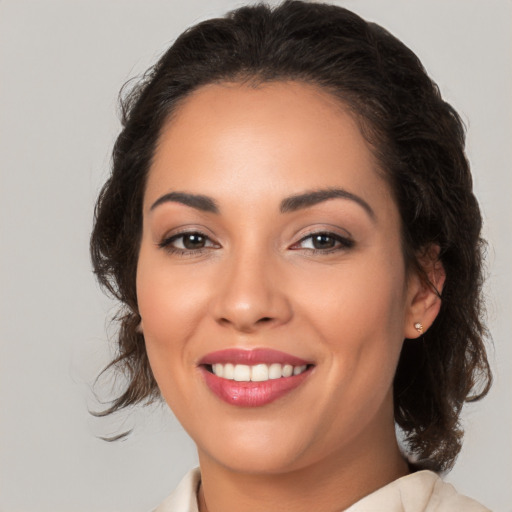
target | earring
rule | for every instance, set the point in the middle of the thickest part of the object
(419, 327)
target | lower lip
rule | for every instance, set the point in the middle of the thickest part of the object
(252, 394)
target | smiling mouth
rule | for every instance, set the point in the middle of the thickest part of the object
(255, 377)
(255, 373)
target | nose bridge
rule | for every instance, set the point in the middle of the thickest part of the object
(251, 294)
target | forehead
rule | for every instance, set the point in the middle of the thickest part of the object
(275, 138)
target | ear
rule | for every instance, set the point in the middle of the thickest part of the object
(423, 293)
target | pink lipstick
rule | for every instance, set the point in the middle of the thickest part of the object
(253, 378)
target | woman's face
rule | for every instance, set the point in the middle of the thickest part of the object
(270, 246)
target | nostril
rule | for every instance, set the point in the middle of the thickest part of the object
(246, 325)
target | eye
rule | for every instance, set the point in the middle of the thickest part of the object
(324, 242)
(189, 242)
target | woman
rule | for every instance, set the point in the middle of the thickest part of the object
(283, 227)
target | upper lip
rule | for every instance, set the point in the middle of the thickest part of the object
(251, 357)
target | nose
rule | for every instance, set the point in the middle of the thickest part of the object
(251, 295)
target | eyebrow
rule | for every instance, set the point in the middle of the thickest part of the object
(307, 199)
(199, 202)
(289, 204)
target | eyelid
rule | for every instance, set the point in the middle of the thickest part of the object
(168, 239)
(184, 229)
(345, 241)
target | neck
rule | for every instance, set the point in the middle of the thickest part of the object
(329, 485)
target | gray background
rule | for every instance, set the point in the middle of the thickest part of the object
(62, 63)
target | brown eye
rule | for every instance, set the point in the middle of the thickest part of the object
(323, 241)
(193, 241)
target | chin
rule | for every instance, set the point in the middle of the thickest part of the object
(267, 463)
(256, 450)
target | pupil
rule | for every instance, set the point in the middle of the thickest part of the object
(193, 241)
(323, 242)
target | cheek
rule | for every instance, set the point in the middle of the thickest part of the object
(370, 296)
(361, 325)
(169, 308)
(167, 323)
(169, 301)
(359, 313)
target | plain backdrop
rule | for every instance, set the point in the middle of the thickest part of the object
(62, 63)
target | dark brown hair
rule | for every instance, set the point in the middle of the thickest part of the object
(419, 141)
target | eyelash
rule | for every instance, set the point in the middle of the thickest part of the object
(342, 243)
(167, 244)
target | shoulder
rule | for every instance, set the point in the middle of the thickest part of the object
(183, 498)
(423, 491)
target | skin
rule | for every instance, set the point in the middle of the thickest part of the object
(259, 283)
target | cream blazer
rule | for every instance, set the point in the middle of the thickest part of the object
(422, 491)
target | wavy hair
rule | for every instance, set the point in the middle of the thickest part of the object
(416, 136)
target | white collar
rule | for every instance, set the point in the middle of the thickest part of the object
(422, 491)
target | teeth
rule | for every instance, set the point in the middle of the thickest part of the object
(275, 371)
(256, 373)
(242, 373)
(298, 369)
(228, 372)
(259, 373)
(287, 370)
(218, 369)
